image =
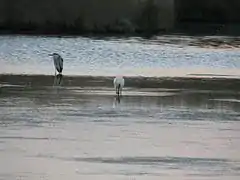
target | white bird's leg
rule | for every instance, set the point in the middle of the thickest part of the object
(118, 90)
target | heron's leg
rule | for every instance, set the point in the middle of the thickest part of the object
(60, 82)
(54, 81)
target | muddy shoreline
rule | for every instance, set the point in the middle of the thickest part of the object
(200, 83)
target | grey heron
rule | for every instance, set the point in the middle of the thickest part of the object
(58, 62)
(118, 83)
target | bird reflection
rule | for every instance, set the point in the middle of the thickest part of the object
(117, 100)
(58, 80)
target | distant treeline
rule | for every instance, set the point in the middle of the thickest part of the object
(214, 17)
(116, 16)
(113, 16)
(211, 11)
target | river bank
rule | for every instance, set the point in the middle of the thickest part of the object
(199, 83)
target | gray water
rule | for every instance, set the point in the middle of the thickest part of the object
(73, 132)
(84, 133)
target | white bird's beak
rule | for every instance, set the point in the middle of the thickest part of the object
(50, 54)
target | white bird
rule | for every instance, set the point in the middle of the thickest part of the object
(118, 83)
(58, 62)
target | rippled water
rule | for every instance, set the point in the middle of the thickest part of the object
(81, 131)
(73, 132)
(24, 54)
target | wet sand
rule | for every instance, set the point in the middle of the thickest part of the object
(216, 82)
(170, 128)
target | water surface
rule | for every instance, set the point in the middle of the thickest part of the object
(161, 128)
(75, 132)
(129, 56)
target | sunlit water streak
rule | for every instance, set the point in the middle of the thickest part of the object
(23, 54)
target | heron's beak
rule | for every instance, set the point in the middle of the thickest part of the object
(50, 54)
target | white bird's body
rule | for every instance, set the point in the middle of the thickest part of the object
(118, 83)
(58, 62)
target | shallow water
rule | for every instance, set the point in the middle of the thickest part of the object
(102, 56)
(79, 130)
(71, 132)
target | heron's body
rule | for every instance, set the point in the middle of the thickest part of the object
(58, 62)
(118, 83)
